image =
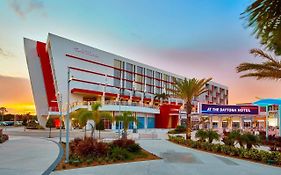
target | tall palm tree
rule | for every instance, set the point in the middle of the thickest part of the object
(95, 114)
(83, 116)
(99, 116)
(264, 16)
(269, 69)
(161, 97)
(3, 110)
(189, 90)
(126, 117)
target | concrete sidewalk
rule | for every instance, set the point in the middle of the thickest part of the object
(26, 155)
(178, 160)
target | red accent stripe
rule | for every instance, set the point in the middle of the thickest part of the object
(124, 96)
(105, 65)
(107, 94)
(85, 91)
(47, 74)
(136, 98)
(147, 99)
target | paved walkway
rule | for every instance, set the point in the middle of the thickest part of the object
(26, 155)
(178, 160)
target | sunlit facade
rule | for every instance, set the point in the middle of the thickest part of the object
(120, 84)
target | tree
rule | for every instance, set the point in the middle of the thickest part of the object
(251, 140)
(189, 90)
(161, 97)
(126, 117)
(201, 134)
(264, 16)
(212, 135)
(99, 116)
(50, 124)
(3, 110)
(269, 69)
(83, 116)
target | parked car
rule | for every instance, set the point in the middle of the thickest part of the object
(3, 124)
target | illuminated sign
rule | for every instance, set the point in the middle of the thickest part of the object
(229, 109)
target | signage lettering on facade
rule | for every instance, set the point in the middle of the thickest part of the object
(229, 109)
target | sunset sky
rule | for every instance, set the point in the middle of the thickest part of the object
(188, 37)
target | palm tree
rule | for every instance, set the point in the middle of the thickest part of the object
(269, 69)
(83, 116)
(126, 117)
(3, 110)
(50, 124)
(203, 121)
(99, 116)
(264, 16)
(251, 140)
(212, 135)
(189, 90)
(201, 134)
(161, 97)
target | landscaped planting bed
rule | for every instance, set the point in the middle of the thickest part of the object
(260, 156)
(91, 152)
(3, 137)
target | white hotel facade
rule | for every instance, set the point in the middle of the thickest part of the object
(120, 84)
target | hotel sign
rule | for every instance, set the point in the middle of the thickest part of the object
(229, 109)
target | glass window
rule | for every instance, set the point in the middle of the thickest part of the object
(247, 124)
(224, 124)
(117, 72)
(215, 125)
(235, 124)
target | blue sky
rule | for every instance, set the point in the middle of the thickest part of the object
(193, 38)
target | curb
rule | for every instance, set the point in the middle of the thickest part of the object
(56, 162)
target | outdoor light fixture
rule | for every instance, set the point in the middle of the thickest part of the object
(69, 79)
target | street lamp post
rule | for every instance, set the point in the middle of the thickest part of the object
(59, 101)
(67, 117)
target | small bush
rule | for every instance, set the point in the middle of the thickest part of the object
(89, 148)
(118, 153)
(3, 138)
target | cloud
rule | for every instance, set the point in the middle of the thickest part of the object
(5, 53)
(22, 10)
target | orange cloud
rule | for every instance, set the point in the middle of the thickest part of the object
(16, 94)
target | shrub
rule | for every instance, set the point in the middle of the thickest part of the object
(89, 148)
(123, 143)
(127, 144)
(216, 148)
(3, 138)
(201, 134)
(180, 129)
(212, 135)
(134, 148)
(118, 153)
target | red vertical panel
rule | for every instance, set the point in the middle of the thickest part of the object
(162, 119)
(47, 75)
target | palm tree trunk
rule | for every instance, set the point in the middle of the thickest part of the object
(188, 120)
(50, 132)
(85, 131)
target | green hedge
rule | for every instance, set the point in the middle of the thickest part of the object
(269, 157)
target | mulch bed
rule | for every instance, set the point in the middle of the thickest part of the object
(227, 155)
(142, 156)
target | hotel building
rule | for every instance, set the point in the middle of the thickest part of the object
(120, 84)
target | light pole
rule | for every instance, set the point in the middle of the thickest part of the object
(59, 100)
(67, 117)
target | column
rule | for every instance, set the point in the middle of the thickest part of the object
(145, 121)
(266, 123)
(279, 119)
(241, 122)
(211, 122)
